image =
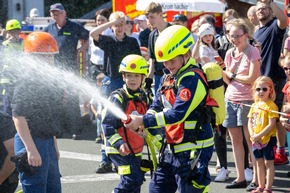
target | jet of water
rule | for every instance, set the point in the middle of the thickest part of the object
(28, 66)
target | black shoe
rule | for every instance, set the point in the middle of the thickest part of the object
(76, 137)
(104, 168)
(234, 184)
(288, 174)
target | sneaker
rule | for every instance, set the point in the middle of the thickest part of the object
(248, 174)
(104, 168)
(99, 140)
(280, 159)
(251, 186)
(76, 137)
(223, 175)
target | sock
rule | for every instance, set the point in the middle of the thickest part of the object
(280, 150)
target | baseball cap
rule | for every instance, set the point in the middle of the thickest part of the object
(140, 17)
(179, 17)
(56, 7)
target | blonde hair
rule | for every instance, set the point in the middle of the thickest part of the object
(270, 84)
(241, 24)
(230, 12)
(116, 15)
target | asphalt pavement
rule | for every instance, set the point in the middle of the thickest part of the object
(79, 158)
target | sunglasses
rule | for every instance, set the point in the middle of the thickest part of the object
(262, 89)
(286, 69)
(129, 22)
(236, 36)
(288, 14)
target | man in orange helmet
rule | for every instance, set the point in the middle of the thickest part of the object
(35, 110)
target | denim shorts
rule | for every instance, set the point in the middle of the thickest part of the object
(236, 114)
(267, 152)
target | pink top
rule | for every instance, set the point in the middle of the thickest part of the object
(240, 65)
(287, 44)
(286, 91)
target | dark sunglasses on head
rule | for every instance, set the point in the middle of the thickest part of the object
(262, 89)
(130, 22)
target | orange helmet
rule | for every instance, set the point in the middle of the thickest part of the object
(40, 43)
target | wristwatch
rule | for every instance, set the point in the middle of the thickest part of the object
(233, 76)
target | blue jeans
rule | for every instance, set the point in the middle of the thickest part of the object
(47, 179)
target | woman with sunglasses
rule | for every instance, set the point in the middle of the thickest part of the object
(262, 129)
(242, 69)
(129, 28)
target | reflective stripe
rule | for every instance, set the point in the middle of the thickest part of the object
(189, 145)
(150, 111)
(197, 186)
(4, 81)
(114, 138)
(124, 170)
(119, 98)
(206, 190)
(160, 119)
(111, 150)
(189, 124)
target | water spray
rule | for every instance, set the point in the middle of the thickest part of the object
(263, 109)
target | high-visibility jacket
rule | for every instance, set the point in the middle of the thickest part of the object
(180, 111)
(115, 132)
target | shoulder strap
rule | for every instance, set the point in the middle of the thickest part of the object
(195, 69)
(124, 97)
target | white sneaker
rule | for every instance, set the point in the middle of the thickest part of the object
(248, 174)
(222, 176)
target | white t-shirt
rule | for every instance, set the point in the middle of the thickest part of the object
(97, 54)
(207, 51)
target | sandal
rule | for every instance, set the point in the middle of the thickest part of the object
(266, 190)
(257, 190)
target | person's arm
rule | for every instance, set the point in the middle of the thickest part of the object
(195, 51)
(95, 33)
(8, 167)
(93, 108)
(151, 68)
(266, 130)
(279, 14)
(56, 147)
(253, 73)
(84, 47)
(21, 126)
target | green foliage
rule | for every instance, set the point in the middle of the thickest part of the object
(75, 8)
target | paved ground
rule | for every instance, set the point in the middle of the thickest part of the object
(80, 158)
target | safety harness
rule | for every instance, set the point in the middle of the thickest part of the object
(146, 165)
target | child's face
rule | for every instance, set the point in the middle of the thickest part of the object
(207, 39)
(262, 91)
(133, 80)
(286, 68)
(174, 64)
(99, 83)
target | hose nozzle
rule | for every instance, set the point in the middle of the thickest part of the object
(128, 120)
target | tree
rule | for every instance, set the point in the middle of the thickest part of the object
(75, 8)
